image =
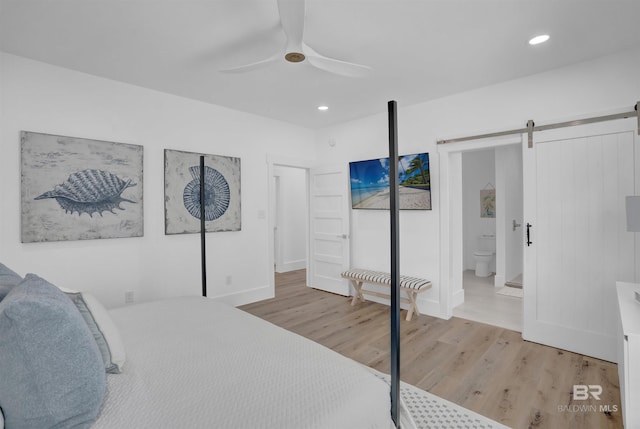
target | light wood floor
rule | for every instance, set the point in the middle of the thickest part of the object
(487, 369)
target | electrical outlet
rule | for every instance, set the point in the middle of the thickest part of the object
(229, 279)
(128, 297)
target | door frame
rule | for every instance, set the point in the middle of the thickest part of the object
(283, 161)
(451, 223)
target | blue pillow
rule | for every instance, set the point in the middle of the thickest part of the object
(52, 374)
(104, 331)
(8, 280)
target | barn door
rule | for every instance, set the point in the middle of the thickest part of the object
(329, 229)
(575, 183)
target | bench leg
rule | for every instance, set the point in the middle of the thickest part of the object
(413, 307)
(357, 296)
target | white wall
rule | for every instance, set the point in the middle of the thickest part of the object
(601, 86)
(42, 98)
(292, 213)
(370, 229)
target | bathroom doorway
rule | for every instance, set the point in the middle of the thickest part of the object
(492, 257)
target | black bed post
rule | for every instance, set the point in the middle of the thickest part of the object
(203, 249)
(395, 263)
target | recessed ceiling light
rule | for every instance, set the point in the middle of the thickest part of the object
(323, 108)
(539, 39)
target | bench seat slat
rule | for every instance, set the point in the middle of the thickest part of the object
(411, 285)
(385, 278)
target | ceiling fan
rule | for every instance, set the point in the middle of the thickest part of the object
(292, 13)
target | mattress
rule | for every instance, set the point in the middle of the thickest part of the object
(196, 363)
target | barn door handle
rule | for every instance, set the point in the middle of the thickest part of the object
(529, 242)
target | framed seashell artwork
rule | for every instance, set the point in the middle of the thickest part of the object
(182, 192)
(79, 189)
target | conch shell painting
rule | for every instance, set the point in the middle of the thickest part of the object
(89, 191)
(79, 189)
(182, 193)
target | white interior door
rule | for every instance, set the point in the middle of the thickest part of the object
(575, 183)
(329, 229)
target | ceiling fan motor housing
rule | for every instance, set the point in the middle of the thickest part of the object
(294, 57)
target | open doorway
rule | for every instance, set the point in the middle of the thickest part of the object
(326, 224)
(492, 226)
(484, 254)
(290, 218)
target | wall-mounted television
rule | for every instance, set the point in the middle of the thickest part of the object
(370, 183)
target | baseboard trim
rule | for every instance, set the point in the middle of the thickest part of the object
(246, 296)
(291, 266)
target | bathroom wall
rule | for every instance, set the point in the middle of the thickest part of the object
(478, 172)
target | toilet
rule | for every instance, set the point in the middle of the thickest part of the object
(484, 254)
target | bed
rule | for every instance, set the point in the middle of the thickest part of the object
(187, 362)
(194, 362)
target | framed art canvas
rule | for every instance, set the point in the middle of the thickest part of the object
(488, 203)
(182, 192)
(79, 189)
(370, 183)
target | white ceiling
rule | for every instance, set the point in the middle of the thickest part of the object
(418, 49)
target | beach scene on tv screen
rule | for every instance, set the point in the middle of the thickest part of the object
(370, 185)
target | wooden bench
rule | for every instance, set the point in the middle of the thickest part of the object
(411, 285)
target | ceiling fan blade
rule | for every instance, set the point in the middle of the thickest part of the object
(333, 65)
(253, 66)
(292, 19)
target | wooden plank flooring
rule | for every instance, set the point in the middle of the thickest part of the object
(487, 369)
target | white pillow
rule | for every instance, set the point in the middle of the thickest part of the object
(103, 329)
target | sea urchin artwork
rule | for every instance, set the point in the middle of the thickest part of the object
(182, 192)
(79, 189)
(216, 194)
(89, 191)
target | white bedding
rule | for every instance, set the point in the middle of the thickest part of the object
(196, 363)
